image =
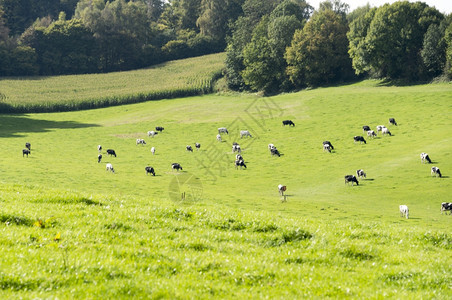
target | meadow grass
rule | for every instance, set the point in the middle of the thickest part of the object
(172, 79)
(71, 229)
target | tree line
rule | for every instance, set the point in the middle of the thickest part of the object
(271, 45)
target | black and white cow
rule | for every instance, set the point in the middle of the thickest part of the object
(176, 166)
(197, 145)
(328, 143)
(275, 151)
(109, 167)
(239, 163)
(282, 189)
(99, 158)
(28, 146)
(386, 131)
(159, 128)
(152, 133)
(371, 134)
(223, 130)
(392, 121)
(189, 148)
(359, 139)
(360, 174)
(435, 171)
(99, 148)
(149, 170)
(141, 142)
(245, 133)
(404, 211)
(445, 207)
(111, 152)
(366, 128)
(236, 148)
(380, 127)
(425, 157)
(351, 178)
(25, 152)
(288, 122)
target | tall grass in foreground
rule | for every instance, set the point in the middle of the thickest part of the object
(182, 78)
(75, 245)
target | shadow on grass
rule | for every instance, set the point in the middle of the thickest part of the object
(20, 125)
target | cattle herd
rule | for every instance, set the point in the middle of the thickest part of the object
(240, 162)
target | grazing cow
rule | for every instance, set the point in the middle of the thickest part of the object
(141, 141)
(327, 147)
(360, 174)
(351, 178)
(99, 158)
(446, 206)
(435, 171)
(111, 152)
(176, 166)
(239, 163)
(152, 133)
(380, 127)
(197, 145)
(282, 189)
(223, 130)
(371, 134)
(110, 168)
(386, 131)
(359, 139)
(150, 170)
(425, 157)
(236, 148)
(288, 122)
(219, 137)
(25, 152)
(99, 148)
(404, 212)
(328, 143)
(28, 146)
(153, 150)
(158, 128)
(238, 157)
(275, 151)
(245, 133)
(189, 148)
(392, 121)
(366, 128)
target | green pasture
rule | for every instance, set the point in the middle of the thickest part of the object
(72, 229)
(179, 78)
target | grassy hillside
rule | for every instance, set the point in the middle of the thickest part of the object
(179, 78)
(128, 234)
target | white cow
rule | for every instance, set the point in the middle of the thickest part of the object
(404, 212)
(141, 141)
(110, 168)
(152, 133)
(223, 130)
(385, 131)
(245, 133)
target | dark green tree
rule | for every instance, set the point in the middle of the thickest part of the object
(395, 37)
(318, 53)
